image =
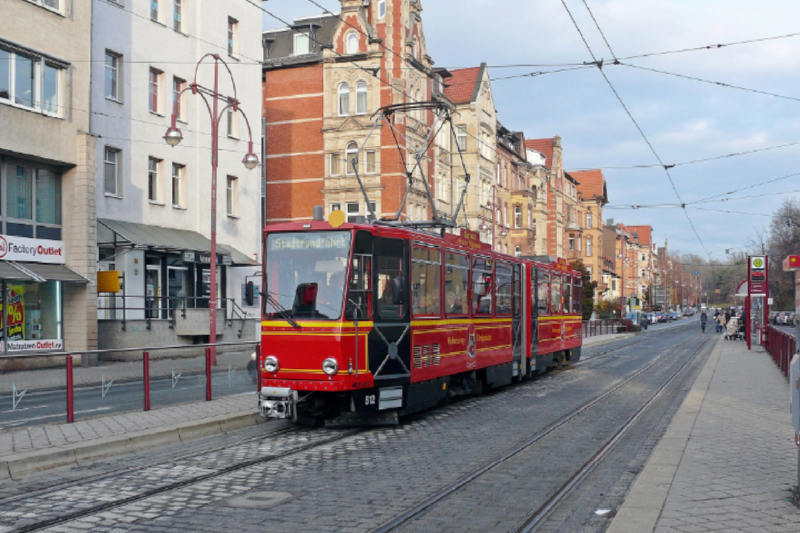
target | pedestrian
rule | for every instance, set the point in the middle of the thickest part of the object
(722, 323)
(727, 315)
(716, 320)
(703, 321)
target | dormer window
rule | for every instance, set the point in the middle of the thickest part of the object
(302, 44)
(352, 43)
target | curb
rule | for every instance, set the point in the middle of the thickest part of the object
(23, 464)
(641, 509)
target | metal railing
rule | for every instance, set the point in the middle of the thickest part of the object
(165, 308)
(210, 362)
(610, 326)
(781, 346)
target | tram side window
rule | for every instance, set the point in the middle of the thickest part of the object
(567, 299)
(426, 265)
(503, 291)
(577, 297)
(555, 291)
(391, 282)
(456, 284)
(359, 293)
(543, 292)
(517, 290)
(482, 286)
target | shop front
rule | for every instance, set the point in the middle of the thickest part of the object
(32, 276)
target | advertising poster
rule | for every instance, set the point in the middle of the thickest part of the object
(16, 313)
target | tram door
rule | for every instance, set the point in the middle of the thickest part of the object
(517, 333)
(390, 337)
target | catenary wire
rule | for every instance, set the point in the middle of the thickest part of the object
(603, 35)
(652, 149)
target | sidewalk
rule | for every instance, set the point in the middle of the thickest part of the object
(727, 460)
(25, 451)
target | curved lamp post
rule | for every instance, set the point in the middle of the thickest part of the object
(173, 137)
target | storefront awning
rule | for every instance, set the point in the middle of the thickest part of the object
(164, 239)
(10, 270)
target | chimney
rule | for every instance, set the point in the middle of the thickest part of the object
(610, 222)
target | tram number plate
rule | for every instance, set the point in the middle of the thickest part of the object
(365, 401)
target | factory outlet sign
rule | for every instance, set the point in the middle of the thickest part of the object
(31, 250)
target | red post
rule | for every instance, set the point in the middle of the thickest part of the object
(258, 367)
(208, 374)
(70, 395)
(146, 379)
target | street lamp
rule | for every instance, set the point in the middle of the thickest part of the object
(173, 137)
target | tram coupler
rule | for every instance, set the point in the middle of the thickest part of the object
(278, 402)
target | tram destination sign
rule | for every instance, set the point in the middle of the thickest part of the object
(339, 240)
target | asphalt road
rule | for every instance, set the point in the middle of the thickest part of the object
(355, 481)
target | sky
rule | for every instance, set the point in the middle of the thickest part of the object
(684, 120)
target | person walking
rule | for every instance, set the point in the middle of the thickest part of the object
(703, 321)
(722, 323)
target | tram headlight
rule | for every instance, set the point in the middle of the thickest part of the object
(271, 364)
(330, 366)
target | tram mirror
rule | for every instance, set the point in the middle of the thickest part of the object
(249, 294)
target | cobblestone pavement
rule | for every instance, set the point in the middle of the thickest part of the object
(56, 435)
(366, 479)
(740, 461)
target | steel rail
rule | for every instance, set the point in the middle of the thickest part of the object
(416, 510)
(44, 524)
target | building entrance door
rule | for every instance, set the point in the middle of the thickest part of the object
(152, 288)
(177, 286)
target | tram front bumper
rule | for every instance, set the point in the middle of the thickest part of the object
(278, 402)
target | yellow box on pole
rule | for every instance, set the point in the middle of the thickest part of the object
(108, 281)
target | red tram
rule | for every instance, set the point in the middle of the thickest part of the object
(362, 322)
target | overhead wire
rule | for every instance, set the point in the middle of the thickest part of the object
(641, 132)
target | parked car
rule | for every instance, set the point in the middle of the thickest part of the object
(674, 316)
(663, 317)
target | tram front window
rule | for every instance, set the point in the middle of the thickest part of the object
(305, 274)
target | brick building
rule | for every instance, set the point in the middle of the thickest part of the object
(593, 195)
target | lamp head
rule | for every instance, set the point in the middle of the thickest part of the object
(173, 136)
(250, 161)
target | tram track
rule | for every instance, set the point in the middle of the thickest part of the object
(89, 511)
(534, 518)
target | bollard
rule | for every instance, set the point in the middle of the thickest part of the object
(208, 374)
(70, 396)
(146, 379)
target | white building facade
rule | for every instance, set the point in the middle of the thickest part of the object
(154, 201)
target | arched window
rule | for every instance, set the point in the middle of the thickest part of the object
(361, 98)
(344, 100)
(350, 153)
(352, 43)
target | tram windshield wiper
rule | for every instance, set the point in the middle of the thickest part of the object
(281, 311)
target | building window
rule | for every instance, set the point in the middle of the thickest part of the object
(336, 164)
(153, 165)
(177, 99)
(232, 123)
(302, 44)
(233, 196)
(153, 97)
(112, 75)
(33, 201)
(588, 220)
(517, 251)
(361, 98)
(177, 16)
(572, 244)
(486, 147)
(350, 154)
(336, 207)
(588, 247)
(34, 314)
(112, 160)
(352, 43)
(154, 11)
(461, 138)
(353, 211)
(233, 36)
(344, 100)
(381, 8)
(178, 176)
(29, 81)
(518, 217)
(370, 162)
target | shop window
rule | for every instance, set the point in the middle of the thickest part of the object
(33, 314)
(503, 289)
(482, 285)
(456, 284)
(426, 263)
